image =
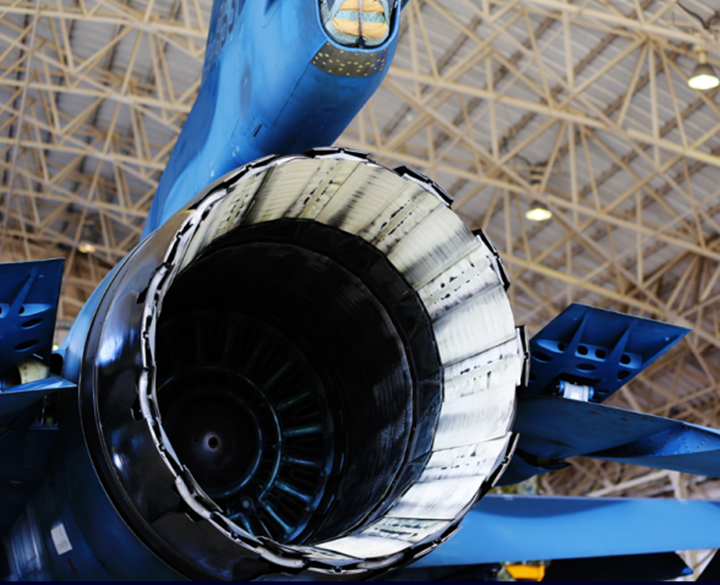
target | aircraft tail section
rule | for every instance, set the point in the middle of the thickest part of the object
(276, 81)
(310, 370)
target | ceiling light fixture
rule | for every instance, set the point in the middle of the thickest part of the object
(703, 76)
(538, 212)
(86, 248)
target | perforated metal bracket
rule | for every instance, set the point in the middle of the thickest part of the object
(29, 293)
(587, 346)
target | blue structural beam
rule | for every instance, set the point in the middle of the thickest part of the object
(527, 528)
(596, 347)
(29, 293)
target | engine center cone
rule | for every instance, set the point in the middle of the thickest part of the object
(216, 435)
(310, 371)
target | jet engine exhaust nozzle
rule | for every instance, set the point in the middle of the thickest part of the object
(311, 370)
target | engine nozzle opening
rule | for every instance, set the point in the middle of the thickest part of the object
(304, 357)
(338, 321)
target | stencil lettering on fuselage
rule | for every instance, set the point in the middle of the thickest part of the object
(221, 27)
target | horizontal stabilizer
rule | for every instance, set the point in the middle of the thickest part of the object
(17, 398)
(529, 528)
(598, 348)
(553, 428)
(29, 293)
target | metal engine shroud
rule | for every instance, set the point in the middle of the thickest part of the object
(309, 371)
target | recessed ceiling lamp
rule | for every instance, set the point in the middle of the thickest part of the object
(86, 248)
(538, 212)
(703, 76)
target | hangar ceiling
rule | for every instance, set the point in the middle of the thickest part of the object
(582, 105)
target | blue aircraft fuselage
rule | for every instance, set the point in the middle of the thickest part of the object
(255, 101)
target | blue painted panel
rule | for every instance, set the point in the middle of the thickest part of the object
(25, 450)
(528, 528)
(604, 350)
(18, 398)
(254, 101)
(598, 348)
(555, 428)
(686, 447)
(29, 293)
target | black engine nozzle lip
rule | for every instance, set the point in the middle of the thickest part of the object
(472, 326)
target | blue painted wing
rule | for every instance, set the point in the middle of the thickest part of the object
(520, 528)
(553, 428)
